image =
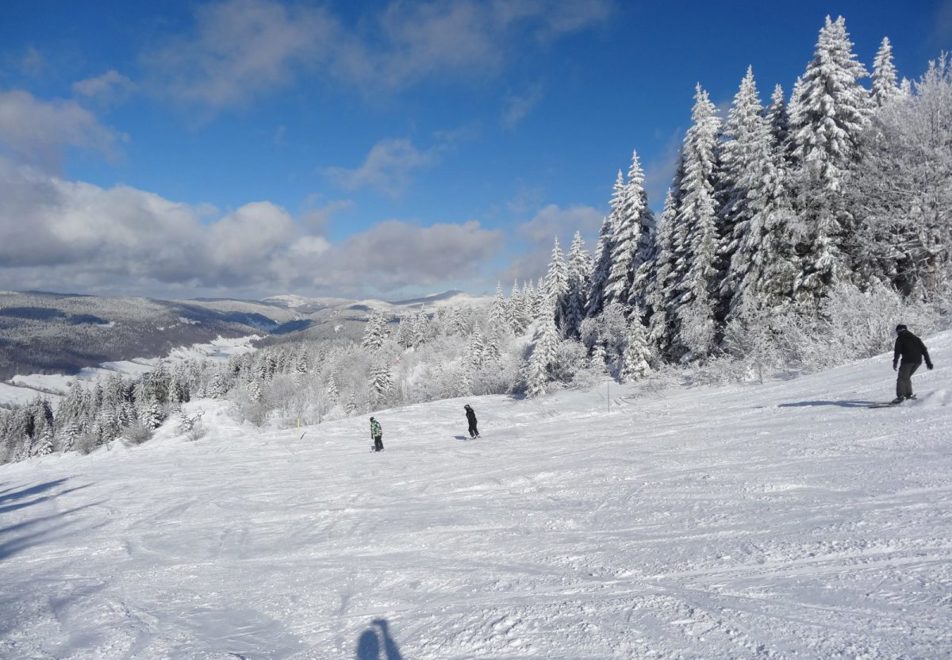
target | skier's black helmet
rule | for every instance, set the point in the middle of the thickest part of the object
(901, 327)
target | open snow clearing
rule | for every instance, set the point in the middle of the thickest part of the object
(734, 521)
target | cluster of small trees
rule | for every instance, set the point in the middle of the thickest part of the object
(88, 417)
(775, 212)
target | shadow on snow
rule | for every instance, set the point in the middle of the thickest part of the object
(376, 639)
(847, 403)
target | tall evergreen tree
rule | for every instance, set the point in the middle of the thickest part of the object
(381, 384)
(744, 158)
(543, 354)
(603, 251)
(637, 355)
(779, 119)
(885, 79)
(657, 280)
(695, 236)
(632, 221)
(374, 332)
(832, 110)
(579, 279)
(556, 284)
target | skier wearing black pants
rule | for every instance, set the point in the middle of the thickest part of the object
(912, 351)
(471, 418)
(377, 434)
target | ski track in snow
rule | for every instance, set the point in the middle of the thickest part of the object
(758, 521)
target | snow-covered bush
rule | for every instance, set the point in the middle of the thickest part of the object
(191, 426)
(138, 433)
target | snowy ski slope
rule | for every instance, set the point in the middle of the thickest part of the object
(778, 520)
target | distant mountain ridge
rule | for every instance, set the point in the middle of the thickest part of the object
(45, 332)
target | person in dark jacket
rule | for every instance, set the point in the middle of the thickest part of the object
(912, 351)
(471, 418)
(377, 434)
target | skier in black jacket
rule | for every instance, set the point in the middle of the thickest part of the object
(912, 351)
(471, 418)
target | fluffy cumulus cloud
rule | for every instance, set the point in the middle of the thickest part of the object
(36, 131)
(238, 49)
(62, 235)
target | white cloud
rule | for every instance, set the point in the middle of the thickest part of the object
(242, 48)
(36, 131)
(540, 232)
(239, 49)
(62, 235)
(553, 221)
(387, 168)
(518, 107)
(108, 86)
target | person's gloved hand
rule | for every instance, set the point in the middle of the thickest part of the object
(894, 366)
(929, 367)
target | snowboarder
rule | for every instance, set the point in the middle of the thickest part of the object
(471, 418)
(912, 351)
(377, 434)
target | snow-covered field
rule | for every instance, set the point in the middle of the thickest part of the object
(779, 520)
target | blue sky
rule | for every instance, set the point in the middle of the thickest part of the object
(255, 147)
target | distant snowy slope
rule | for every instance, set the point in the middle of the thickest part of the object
(780, 520)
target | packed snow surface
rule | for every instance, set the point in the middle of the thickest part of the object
(777, 520)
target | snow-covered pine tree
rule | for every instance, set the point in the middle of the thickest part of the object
(476, 350)
(828, 116)
(794, 110)
(330, 391)
(154, 415)
(497, 309)
(695, 237)
(381, 384)
(69, 436)
(630, 225)
(374, 332)
(45, 445)
(779, 120)
(351, 407)
(762, 266)
(907, 235)
(745, 154)
(599, 359)
(579, 280)
(529, 301)
(459, 325)
(543, 353)
(556, 284)
(515, 311)
(885, 79)
(656, 278)
(603, 252)
(637, 356)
